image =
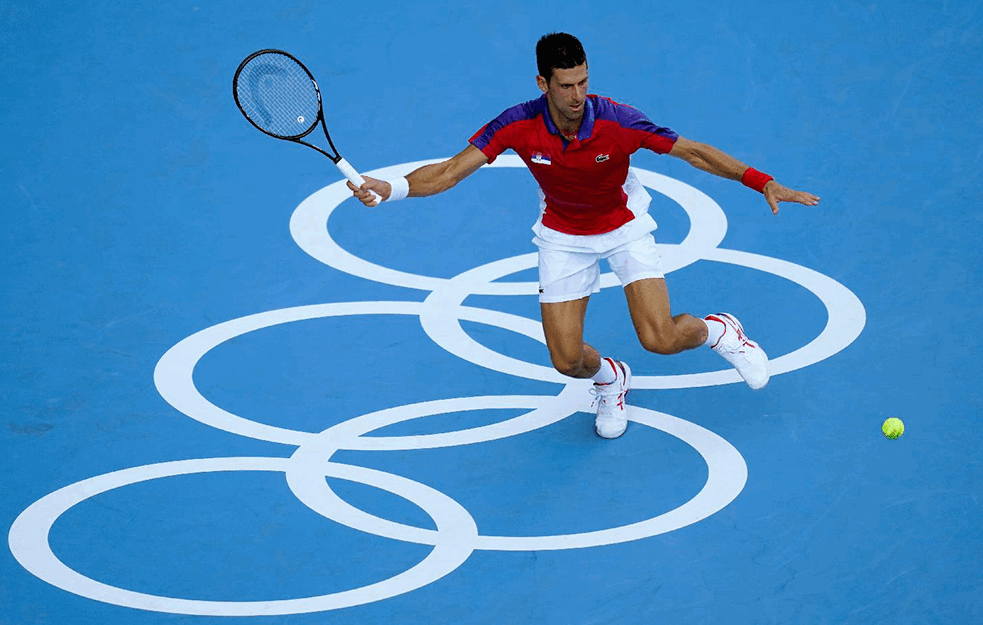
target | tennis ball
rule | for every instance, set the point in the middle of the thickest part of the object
(893, 427)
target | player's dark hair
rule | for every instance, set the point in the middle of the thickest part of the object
(558, 51)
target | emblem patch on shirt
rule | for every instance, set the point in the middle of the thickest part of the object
(602, 157)
(540, 158)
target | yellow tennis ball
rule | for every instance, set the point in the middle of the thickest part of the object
(893, 427)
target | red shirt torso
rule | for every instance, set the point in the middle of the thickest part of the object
(581, 178)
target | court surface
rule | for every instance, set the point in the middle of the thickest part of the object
(230, 394)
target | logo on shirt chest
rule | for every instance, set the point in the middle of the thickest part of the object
(541, 159)
(600, 158)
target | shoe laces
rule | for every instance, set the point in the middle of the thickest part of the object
(602, 394)
(597, 395)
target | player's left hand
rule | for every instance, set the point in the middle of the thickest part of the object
(775, 193)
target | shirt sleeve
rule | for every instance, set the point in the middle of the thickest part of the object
(494, 137)
(645, 134)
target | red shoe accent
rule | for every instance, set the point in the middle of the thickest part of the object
(610, 362)
(737, 328)
(721, 322)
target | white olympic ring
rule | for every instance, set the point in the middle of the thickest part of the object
(440, 314)
(726, 470)
(31, 528)
(309, 228)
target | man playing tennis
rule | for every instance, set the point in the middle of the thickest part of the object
(577, 146)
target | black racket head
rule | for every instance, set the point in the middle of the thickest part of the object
(277, 94)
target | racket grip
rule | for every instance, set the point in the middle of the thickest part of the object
(354, 177)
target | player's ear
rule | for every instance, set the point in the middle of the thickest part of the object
(542, 83)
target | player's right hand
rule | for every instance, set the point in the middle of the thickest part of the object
(364, 195)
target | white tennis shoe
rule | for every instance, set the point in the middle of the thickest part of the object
(745, 355)
(612, 412)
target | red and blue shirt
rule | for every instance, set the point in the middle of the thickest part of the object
(581, 179)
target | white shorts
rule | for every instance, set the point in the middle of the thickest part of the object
(566, 275)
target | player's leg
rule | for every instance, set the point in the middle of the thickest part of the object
(563, 325)
(567, 279)
(638, 266)
(657, 329)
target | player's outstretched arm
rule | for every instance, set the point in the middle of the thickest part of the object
(427, 180)
(718, 162)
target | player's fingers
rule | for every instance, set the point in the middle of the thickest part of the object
(376, 186)
(806, 198)
(773, 203)
(370, 183)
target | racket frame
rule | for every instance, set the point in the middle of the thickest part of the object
(343, 165)
(336, 157)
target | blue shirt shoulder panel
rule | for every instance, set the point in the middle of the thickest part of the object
(628, 117)
(519, 112)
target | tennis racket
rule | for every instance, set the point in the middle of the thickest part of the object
(280, 97)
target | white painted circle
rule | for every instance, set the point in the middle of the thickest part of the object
(441, 315)
(726, 470)
(174, 374)
(309, 228)
(29, 539)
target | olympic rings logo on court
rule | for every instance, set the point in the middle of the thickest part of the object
(440, 315)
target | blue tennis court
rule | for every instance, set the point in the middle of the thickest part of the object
(233, 394)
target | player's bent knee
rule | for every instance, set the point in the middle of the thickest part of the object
(658, 342)
(567, 366)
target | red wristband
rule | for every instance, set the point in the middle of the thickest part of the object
(755, 179)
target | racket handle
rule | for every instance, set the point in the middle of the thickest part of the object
(354, 177)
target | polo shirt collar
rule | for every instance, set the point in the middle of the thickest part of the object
(586, 124)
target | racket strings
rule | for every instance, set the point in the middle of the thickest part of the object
(277, 95)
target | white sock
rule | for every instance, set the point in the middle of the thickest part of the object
(608, 372)
(715, 329)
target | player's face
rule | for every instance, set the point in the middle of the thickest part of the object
(567, 91)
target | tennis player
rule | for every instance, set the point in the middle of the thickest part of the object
(578, 145)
